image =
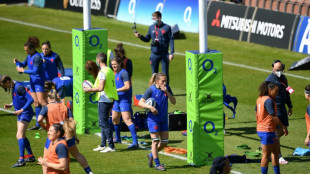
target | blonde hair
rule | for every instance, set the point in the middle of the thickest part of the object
(53, 95)
(156, 76)
(70, 128)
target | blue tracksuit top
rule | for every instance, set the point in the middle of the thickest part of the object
(284, 96)
(120, 78)
(22, 99)
(64, 83)
(165, 38)
(52, 62)
(35, 68)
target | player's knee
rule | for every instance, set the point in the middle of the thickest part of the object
(164, 142)
(155, 141)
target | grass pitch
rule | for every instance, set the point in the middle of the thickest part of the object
(240, 82)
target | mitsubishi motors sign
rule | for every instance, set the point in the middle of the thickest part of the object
(241, 23)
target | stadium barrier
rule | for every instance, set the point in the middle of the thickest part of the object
(251, 24)
(98, 7)
(302, 40)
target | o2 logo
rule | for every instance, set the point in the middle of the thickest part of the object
(132, 8)
(95, 41)
(190, 125)
(207, 128)
(189, 64)
(187, 15)
(208, 65)
(160, 7)
(77, 41)
(91, 98)
(77, 98)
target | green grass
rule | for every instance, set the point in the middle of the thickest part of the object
(240, 82)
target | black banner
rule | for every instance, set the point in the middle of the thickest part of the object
(274, 28)
(98, 7)
(243, 23)
(222, 19)
(12, 1)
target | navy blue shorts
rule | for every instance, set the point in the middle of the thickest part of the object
(120, 106)
(157, 126)
(36, 87)
(267, 138)
(71, 142)
(24, 117)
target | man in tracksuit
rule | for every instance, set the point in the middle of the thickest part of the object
(282, 99)
(162, 37)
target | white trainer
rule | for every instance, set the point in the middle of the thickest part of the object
(282, 161)
(99, 148)
(108, 149)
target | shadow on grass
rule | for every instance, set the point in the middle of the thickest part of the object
(239, 131)
(6, 115)
(243, 131)
(298, 158)
(184, 166)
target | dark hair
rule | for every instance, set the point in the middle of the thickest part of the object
(157, 13)
(59, 127)
(102, 57)
(30, 45)
(307, 89)
(5, 79)
(218, 165)
(120, 49)
(263, 88)
(47, 43)
(118, 60)
(35, 41)
(278, 61)
(49, 85)
(92, 68)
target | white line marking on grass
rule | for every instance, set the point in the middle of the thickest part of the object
(142, 46)
(8, 111)
(164, 153)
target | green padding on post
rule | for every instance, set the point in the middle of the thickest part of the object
(85, 45)
(204, 89)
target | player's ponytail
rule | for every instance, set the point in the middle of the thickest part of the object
(53, 95)
(92, 68)
(70, 128)
(156, 76)
(119, 49)
(34, 41)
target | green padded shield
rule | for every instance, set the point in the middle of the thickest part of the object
(85, 46)
(204, 89)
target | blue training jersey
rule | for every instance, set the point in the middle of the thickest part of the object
(120, 78)
(161, 99)
(64, 83)
(20, 97)
(35, 61)
(51, 65)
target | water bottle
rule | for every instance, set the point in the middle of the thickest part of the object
(18, 64)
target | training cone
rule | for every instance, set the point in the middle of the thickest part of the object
(37, 135)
